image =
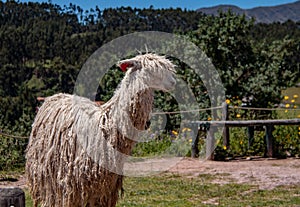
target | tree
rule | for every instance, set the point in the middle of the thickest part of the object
(277, 67)
(224, 39)
(247, 68)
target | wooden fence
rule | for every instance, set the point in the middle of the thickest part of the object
(212, 127)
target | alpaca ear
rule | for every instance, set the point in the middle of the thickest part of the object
(126, 64)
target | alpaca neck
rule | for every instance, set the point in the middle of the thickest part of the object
(131, 107)
(140, 109)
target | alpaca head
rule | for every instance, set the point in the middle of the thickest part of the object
(156, 72)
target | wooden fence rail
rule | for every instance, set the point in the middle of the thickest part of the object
(212, 127)
(245, 123)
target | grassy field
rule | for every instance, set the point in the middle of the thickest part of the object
(183, 191)
(174, 190)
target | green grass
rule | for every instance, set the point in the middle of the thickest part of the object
(184, 191)
(28, 200)
(170, 190)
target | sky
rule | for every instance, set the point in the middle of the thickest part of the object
(188, 4)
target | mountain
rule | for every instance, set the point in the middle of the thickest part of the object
(280, 13)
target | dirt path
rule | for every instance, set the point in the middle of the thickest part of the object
(13, 181)
(265, 173)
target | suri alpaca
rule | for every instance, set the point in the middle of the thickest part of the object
(75, 154)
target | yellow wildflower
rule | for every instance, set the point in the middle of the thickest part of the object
(224, 147)
(238, 116)
(293, 101)
(295, 96)
(241, 142)
(186, 129)
(190, 140)
(227, 101)
(295, 106)
(286, 97)
(209, 118)
(174, 132)
(298, 116)
(287, 105)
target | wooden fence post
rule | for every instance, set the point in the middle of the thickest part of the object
(225, 116)
(210, 143)
(269, 139)
(195, 150)
(250, 133)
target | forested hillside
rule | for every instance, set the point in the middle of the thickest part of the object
(43, 47)
(262, 14)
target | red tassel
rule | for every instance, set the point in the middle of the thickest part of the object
(124, 66)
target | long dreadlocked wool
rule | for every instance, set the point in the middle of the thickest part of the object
(76, 150)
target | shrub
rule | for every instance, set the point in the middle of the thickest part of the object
(12, 153)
